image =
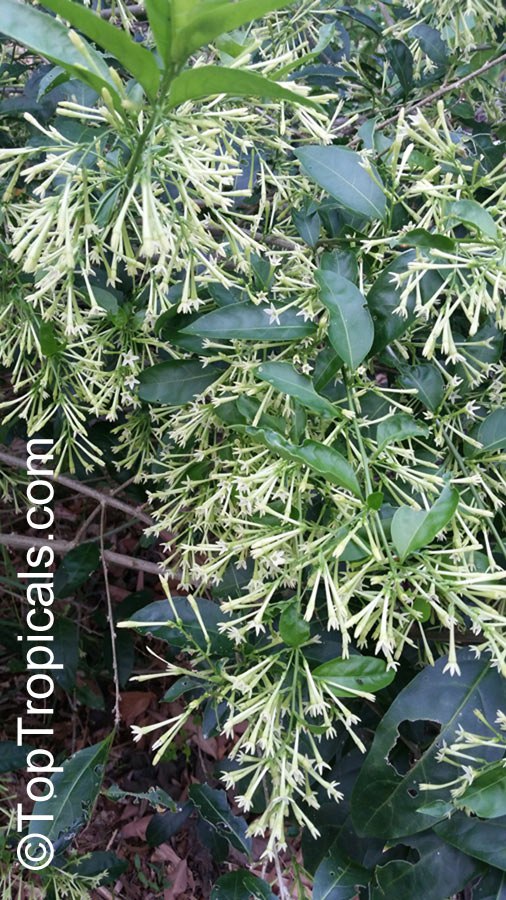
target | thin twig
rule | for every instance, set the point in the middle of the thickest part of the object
(23, 542)
(100, 496)
(446, 88)
(110, 619)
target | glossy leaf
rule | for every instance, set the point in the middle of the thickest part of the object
(135, 58)
(384, 299)
(207, 81)
(172, 622)
(439, 873)
(163, 826)
(337, 877)
(284, 377)
(491, 887)
(428, 382)
(292, 628)
(492, 431)
(358, 673)
(435, 696)
(401, 60)
(241, 885)
(351, 328)
(327, 366)
(214, 807)
(413, 529)
(176, 382)
(323, 460)
(486, 795)
(482, 839)
(76, 789)
(12, 756)
(249, 322)
(159, 17)
(207, 21)
(399, 427)
(75, 568)
(473, 215)
(341, 173)
(49, 38)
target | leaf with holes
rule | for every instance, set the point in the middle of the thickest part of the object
(338, 877)
(214, 807)
(432, 696)
(76, 789)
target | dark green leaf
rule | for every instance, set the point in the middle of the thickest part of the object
(351, 328)
(163, 826)
(135, 58)
(50, 345)
(486, 795)
(358, 673)
(159, 13)
(340, 172)
(431, 43)
(12, 756)
(207, 81)
(76, 789)
(292, 628)
(308, 223)
(172, 622)
(432, 696)
(342, 262)
(482, 839)
(49, 38)
(427, 240)
(284, 377)
(399, 427)
(75, 568)
(492, 431)
(177, 382)
(439, 873)
(241, 885)
(384, 299)
(97, 862)
(66, 651)
(337, 877)
(213, 806)
(247, 322)
(413, 529)
(429, 384)
(327, 366)
(401, 61)
(471, 214)
(323, 460)
(207, 21)
(491, 887)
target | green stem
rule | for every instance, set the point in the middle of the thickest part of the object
(153, 120)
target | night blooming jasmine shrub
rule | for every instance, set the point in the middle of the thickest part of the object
(260, 268)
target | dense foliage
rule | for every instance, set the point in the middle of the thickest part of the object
(263, 275)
